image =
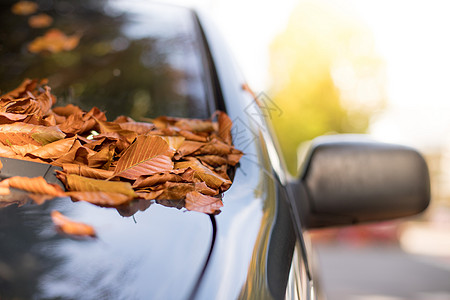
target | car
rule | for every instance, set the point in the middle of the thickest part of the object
(145, 60)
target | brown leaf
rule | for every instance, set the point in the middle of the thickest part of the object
(201, 187)
(22, 150)
(70, 156)
(6, 151)
(201, 203)
(110, 127)
(234, 157)
(140, 128)
(225, 125)
(103, 158)
(40, 21)
(106, 199)
(70, 227)
(24, 8)
(174, 142)
(213, 160)
(188, 147)
(214, 147)
(53, 41)
(84, 184)
(22, 134)
(211, 178)
(144, 157)
(192, 136)
(175, 190)
(86, 171)
(174, 176)
(36, 185)
(37, 104)
(8, 118)
(54, 150)
(195, 125)
(156, 179)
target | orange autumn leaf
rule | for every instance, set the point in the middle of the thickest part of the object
(144, 157)
(23, 150)
(86, 171)
(187, 148)
(192, 136)
(21, 134)
(211, 178)
(24, 8)
(84, 184)
(71, 227)
(37, 185)
(213, 160)
(53, 41)
(214, 147)
(225, 125)
(110, 127)
(195, 201)
(138, 127)
(174, 142)
(8, 118)
(146, 181)
(107, 199)
(40, 21)
(53, 150)
(195, 125)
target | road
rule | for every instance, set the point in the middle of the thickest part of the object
(381, 273)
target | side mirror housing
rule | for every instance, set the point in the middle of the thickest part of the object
(353, 180)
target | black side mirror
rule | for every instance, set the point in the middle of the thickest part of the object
(352, 180)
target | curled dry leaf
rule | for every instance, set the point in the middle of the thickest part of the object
(84, 184)
(71, 227)
(107, 199)
(211, 178)
(53, 150)
(197, 202)
(86, 171)
(23, 134)
(225, 125)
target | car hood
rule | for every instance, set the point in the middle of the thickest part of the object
(159, 252)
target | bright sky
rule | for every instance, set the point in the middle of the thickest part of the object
(411, 36)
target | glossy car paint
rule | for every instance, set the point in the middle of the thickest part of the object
(252, 255)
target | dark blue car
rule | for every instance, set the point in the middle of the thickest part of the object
(146, 60)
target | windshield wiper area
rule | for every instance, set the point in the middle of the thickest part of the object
(16, 167)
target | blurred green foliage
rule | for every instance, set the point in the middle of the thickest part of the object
(326, 76)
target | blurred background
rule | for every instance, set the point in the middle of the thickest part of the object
(358, 66)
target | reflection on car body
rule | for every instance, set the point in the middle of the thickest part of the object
(146, 60)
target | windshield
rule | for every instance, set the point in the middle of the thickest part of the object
(126, 58)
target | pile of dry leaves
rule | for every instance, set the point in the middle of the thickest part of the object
(115, 164)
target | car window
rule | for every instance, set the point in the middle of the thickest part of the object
(137, 60)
